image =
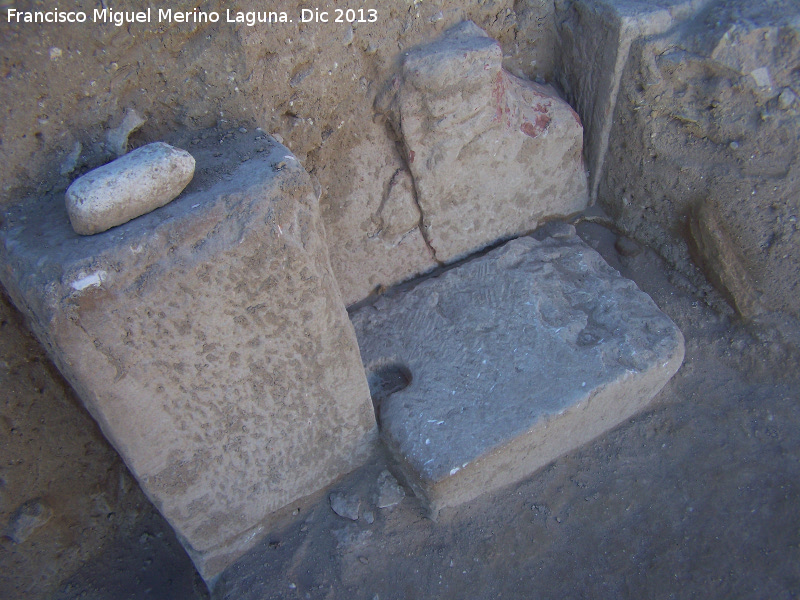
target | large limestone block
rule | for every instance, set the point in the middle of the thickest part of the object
(210, 342)
(131, 186)
(490, 154)
(493, 369)
(594, 39)
(371, 216)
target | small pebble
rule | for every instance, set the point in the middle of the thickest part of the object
(389, 491)
(345, 506)
(786, 99)
(71, 160)
(560, 230)
(348, 36)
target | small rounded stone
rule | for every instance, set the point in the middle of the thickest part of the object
(131, 186)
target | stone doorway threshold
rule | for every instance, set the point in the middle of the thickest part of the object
(487, 372)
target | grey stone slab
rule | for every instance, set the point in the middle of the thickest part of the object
(210, 342)
(491, 370)
(491, 154)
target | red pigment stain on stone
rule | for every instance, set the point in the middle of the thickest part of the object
(410, 156)
(528, 129)
(534, 129)
(542, 121)
(499, 95)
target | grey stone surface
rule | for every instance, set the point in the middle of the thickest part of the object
(210, 342)
(345, 506)
(508, 361)
(594, 39)
(490, 154)
(390, 493)
(131, 186)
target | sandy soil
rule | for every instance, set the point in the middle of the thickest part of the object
(695, 496)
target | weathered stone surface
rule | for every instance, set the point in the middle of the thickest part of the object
(117, 138)
(490, 154)
(504, 363)
(698, 130)
(390, 493)
(345, 506)
(594, 39)
(131, 186)
(371, 216)
(724, 264)
(210, 342)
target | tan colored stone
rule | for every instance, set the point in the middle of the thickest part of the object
(372, 219)
(131, 186)
(210, 342)
(490, 154)
(594, 38)
(699, 131)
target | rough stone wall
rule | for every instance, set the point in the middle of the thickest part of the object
(691, 151)
(594, 39)
(65, 91)
(702, 160)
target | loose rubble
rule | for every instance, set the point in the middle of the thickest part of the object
(390, 493)
(29, 517)
(345, 506)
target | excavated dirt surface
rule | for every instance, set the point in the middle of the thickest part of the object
(696, 496)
